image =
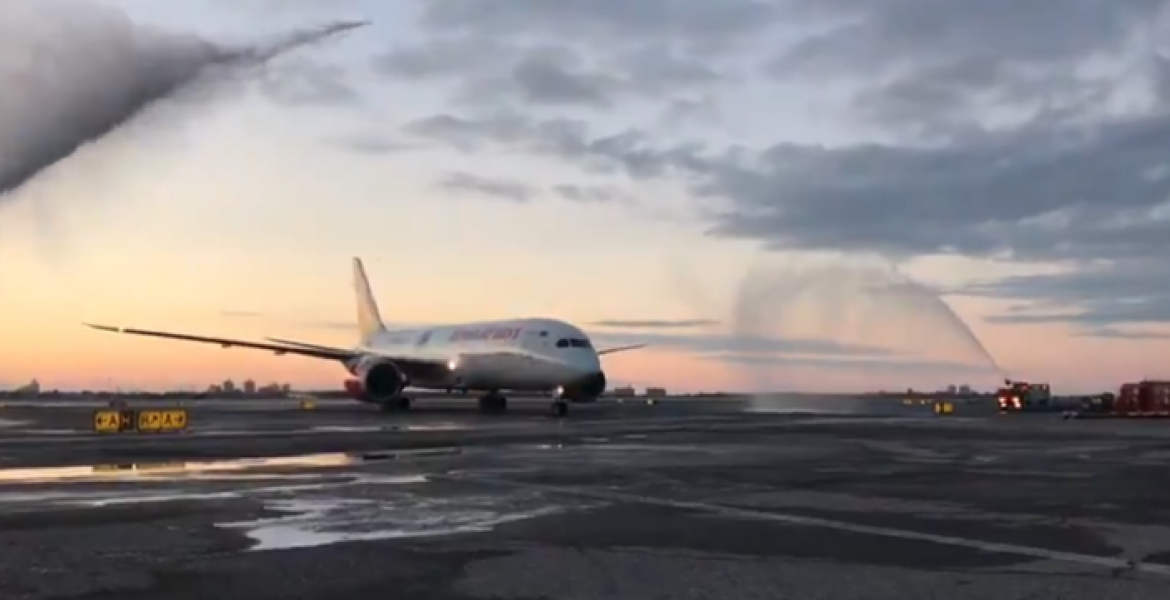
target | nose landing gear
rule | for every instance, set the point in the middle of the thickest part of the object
(493, 402)
(559, 406)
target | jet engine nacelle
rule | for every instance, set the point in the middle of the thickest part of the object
(376, 381)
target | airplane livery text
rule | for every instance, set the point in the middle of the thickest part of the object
(488, 334)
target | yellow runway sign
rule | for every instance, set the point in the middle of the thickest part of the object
(141, 421)
(158, 421)
(113, 421)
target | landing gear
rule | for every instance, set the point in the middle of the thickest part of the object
(398, 404)
(560, 408)
(493, 402)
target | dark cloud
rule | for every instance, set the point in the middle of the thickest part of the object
(1037, 193)
(655, 323)
(375, 145)
(309, 83)
(1033, 194)
(548, 79)
(628, 152)
(881, 34)
(467, 183)
(936, 63)
(488, 71)
(591, 193)
(687, 111)
(1029, 130)
(1097, 300)
(701, 22)
(446, 57)
(573, 53)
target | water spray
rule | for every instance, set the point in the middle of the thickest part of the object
(75, 71)
(859, 302)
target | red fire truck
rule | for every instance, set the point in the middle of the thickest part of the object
(1021, 396)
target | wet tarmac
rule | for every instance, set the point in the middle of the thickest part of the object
(683, 499)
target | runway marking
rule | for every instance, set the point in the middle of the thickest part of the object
(794, 519)
(534, 427)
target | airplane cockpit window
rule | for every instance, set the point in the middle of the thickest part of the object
(562, 343)
(579, 343)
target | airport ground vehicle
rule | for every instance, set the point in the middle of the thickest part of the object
(1147, 399)
(1021, 396)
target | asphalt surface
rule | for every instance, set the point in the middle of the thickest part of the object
(684, 499)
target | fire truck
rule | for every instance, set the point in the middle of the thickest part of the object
(1021, 396)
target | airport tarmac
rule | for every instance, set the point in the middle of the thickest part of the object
(686, 499)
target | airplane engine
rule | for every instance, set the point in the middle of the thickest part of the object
(587, 390)
(376, 381)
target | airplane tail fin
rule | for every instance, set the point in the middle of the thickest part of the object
(368, 318)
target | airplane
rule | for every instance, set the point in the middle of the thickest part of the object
(529, 355)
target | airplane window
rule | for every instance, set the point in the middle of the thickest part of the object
(562, 343)
(544, 334)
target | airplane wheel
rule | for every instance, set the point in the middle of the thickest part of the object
(560, 409)
(493, 403)
(400, 404)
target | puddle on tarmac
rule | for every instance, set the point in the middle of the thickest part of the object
(378, 428)
(326, 521)
(217, 469)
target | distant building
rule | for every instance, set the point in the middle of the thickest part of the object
(228, 387)
(250, 387)
(624, 392)
(655, 392)
(33, 388)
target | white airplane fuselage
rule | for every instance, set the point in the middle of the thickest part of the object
(539, 355)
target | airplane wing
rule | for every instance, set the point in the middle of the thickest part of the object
(414, 368)
(419, 369)
(620, 349)
(298, 344)
(322, 352)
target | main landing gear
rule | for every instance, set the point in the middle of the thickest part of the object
(396, 404)
(493, 402)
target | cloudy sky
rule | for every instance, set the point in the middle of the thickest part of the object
(774, 193)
